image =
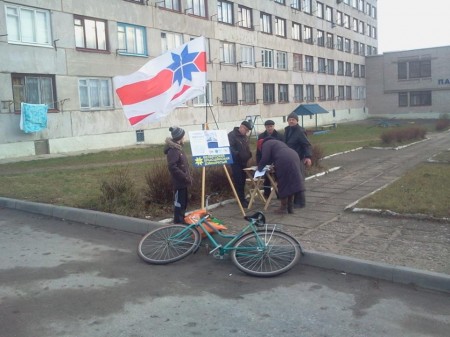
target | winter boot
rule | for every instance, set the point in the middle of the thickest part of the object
(283, 206)
(290, 204)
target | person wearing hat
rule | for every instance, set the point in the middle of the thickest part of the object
(240, 151)
(179, 171)
(295, 138)
(269, 125)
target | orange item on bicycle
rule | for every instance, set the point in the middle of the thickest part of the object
(195, 216)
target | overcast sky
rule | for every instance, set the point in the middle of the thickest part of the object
(412, 24)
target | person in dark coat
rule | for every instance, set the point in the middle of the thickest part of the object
(287, 171)
(178, 166)
(240, 151)
(295, 138)
(270, 132)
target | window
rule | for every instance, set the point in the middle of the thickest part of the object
(247, 56)
(420, 98)
(321, 65)
(298, 92)
(307, 6)
(347, 21)
(283, 93)
(266, 23)
(248, 93)
(347, 46)
(309, 63)
(361, 5)
(33, 89)
(28, 25)
(362, 49)
(229, 93)
(348, 69)
(414, 69)
(369, 30)
(374, 12)
(374, 32)
(298, 62)
(282, 2)
(363, 71)
(90, 33)
(296, 31)
(204, 99)
(330, 96)
(307, 34)
(320, 38)
(348, 92)
(339, 18)
(330, 41)
(329, 14)
(368, 6)
(356, 70)
(282, 62)
(309, 92)
(225, 12)
(322, 92)
(355, 47)
(227, 53)
(341, 92)
(340, 70)
(361, 27)
(198, 7)
(402, 99)
(355, 25)
(295, 4)
(340, 43)
(132, 39)
(170, 4)
(170, 41)
(280, 27)
(95, 93)
(402, 70)
(267, 58)
(245, 17)
(268, 93)
(320, 12)
(330, 67)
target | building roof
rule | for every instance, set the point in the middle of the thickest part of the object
(309, 110)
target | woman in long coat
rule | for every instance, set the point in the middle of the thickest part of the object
(287, 170)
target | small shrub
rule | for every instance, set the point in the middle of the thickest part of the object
(317, 155)
(159, 185)
(443, 123)
(403, 134)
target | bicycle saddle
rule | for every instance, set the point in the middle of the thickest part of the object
(258, 218)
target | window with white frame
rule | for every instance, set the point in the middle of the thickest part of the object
(28, 25)
(198, 7)
(320, 10)
(320, 38)
(355, 25)
(329, 14)
(247, 56)
(340, 43)
(282, 61)
(321, 65)
(298, 92)
(268, 93)
(361, 27)
(280, 27)
(227, 52)
(132, 39)
(310, 93)
(322, 92)
(204, 99)
(348, 69)
(245, 17)
(347, 46)
(309, 63)
(170, 4)
(307, 6)
(368, 8)
(347, 21)
(90, 33)
(266, 23)
(33, 89)
(340, 68)
(296, 31)
(225, 12)
(283, 93)
(295, 4)
(248, 93)
(330, 67)
(95, 93)
(298, 62)
(339, 18)
(170, 41)
(330, 93)
(355, 70)
(355, 47)
(307, 34)
(330, 41)
(229, 93)
(361, 5)
(267, 58)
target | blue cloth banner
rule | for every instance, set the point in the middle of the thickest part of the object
(33, 117)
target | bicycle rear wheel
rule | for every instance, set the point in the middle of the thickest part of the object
(265, 253)
(168, 244)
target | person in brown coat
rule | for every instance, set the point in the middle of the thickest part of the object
(287, 171)
(178, 166)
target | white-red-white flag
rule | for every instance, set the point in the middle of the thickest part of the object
(163, 83)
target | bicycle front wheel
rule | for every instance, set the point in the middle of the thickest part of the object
(265, 253)
(168, 244)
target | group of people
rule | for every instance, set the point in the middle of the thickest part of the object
(289, 154)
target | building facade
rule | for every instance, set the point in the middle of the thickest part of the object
(409, 84)
(264, 58)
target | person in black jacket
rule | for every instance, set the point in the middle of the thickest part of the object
(179, 171)
(295, 138)
(240, 151)
(270, 132)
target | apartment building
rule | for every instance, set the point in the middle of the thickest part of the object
(409, 84)
(264, 58)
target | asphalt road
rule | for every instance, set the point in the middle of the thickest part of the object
(61, 278)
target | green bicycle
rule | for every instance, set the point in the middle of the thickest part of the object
(258, 249)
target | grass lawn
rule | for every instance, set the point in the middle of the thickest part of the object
(76, 180)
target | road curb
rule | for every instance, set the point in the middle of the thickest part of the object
(396, 274)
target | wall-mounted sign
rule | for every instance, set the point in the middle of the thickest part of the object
(445, 81)
(210, 147)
